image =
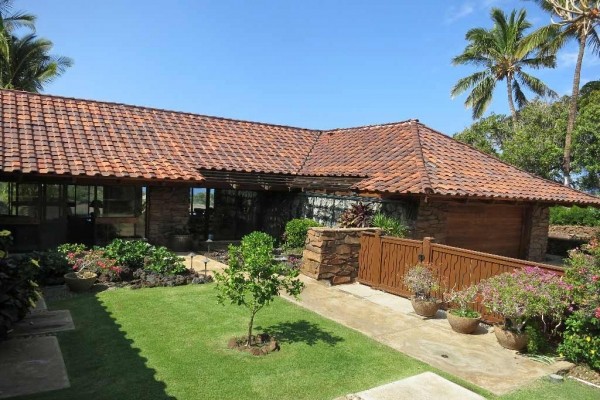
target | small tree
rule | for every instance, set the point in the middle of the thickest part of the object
(253, 278)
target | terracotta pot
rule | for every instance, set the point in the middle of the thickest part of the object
(75, 283)
(511, 340)
(425, 308)
(462, 324)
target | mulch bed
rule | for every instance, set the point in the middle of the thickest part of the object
(585, 373)
(262, 344)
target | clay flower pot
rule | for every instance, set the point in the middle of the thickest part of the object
(460, 324)
(81, 282)
(511, 340)
(425, 308)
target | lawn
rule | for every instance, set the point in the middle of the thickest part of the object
(166, 343)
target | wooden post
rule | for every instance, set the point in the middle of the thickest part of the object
(427, 249)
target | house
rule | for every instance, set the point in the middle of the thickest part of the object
(84, 170)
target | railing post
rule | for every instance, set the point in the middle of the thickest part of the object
(427, 249)
(377, 278)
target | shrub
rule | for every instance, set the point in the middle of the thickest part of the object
(296, 231)
(164, 261)
(422, 280)
(581, 339)
(391, 226)
(253, 278)
(67, 248)
(129, 253)
(461, 300)
(358, 215)
(524, 294)
(18, 290)
(575, 216)
(52, 267)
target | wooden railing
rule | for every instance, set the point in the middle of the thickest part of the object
(383, 262)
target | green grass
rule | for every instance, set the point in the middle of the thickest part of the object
(165, 343)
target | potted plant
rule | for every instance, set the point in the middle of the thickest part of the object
(522, 295)
(422, 280)
(86, 265)
(460, 317)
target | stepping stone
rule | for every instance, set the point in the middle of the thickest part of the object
(31, 365)
(41, 323)
(40, 306)
(425, 386)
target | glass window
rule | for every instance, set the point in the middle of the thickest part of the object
(4, 198)
(28, 199)
(121, 201)
(54, 201)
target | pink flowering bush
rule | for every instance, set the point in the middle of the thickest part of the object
(581, 339)
(94, 261)
(462, 300)
(422, 280)
(525, 294)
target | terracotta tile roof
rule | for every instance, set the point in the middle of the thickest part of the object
(56, 135)
(409, 157)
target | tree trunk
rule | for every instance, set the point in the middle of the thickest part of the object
(250, 328)
(511, 103)
(572, 114)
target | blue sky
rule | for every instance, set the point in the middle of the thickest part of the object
(310, 63)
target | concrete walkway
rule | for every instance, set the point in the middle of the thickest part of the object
(390, 320)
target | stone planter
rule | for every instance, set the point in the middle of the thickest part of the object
(460, 324)
(511, 340)
(77, 283)
(425, 308)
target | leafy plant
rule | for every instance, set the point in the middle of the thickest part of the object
(94, 261)
(588, 216)
(164, 261)
(358, 215)
(18, 290)
(52, 267)
(129, 253)
(422, 280)
(391, 226)
(461, 300)
(296, 231)
(524, 294)
(581, 339)
(67, 248)
(253, 279)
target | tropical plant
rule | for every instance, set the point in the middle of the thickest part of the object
(52, 267)
(25, 62)
(129, 253)
(579, 20)
(358, 215)
(296, 231)
(422, 280)
(503, 51)
(164, 261)
(253, 278)
(389, 225)
(95, 262)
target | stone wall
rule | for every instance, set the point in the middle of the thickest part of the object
(431, 221)
(332, 253)
(538, 240)
(168, 208)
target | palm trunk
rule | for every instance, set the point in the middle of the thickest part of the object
(511, 103)
(572, 114)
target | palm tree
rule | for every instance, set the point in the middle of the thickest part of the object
(503, 51)
(25, 63)
(28, 66)
(579, 20)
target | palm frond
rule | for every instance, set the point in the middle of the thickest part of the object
(536, 85)
(470, 81)
(518, 94)
(481, 96)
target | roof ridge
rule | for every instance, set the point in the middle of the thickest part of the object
(504, 162)
(417, 147)
(330, 131)
(309, 152)
(157, 109)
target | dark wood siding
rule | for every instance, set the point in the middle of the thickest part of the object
(493, 228)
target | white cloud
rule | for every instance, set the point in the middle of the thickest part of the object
(455, 13)
(569, 59)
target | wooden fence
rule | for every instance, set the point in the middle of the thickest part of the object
(383, 261)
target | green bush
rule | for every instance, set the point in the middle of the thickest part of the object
(18, 290)
(581, 339)
(129, 253)
(164, 261)
(67, 248)
(575, 216)
(391, 226)
(53, 265)
(296, 231)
